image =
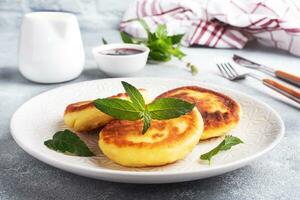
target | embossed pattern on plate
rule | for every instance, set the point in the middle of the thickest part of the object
(39, 118)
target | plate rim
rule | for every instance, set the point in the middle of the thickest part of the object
(213, 169)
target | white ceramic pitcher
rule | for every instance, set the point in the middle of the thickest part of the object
(50, 48)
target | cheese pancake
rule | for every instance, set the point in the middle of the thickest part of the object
(83, 116)
(220, 113)
(166, 141)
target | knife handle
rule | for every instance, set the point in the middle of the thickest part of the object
(282, 89)
(295, 80)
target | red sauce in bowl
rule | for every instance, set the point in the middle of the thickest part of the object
(121, 52)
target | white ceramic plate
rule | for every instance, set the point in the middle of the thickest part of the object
(38, 119)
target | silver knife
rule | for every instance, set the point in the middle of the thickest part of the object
(287, 77)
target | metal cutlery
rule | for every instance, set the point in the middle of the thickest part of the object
(290, 78)
(230, 73)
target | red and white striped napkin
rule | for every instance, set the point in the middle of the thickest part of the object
(220, 23)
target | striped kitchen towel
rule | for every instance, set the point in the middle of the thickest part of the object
(220, 23)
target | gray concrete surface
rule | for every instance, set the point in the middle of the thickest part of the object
(275, 176)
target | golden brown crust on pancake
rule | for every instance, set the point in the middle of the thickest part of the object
(166, 141)
(81, 105)
(220, 113)
(84, 117)
(74, 107)
(116, 132)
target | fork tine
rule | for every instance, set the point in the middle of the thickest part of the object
(227, 71)
(221, 70)
(233, 70)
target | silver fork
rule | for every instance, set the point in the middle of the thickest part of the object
(230, 73)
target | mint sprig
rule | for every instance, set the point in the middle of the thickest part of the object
(135, 96)
(126, 37)
(147, 121)
(136, 109)
(69, 143)
(104, 41)
(118, 108)
(225, 145)
(168, 108)
(162, 46)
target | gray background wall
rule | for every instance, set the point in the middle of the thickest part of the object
(93, 15)
(97, 18)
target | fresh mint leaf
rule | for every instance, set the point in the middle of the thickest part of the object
(225, 145)
(151, 37)
(229, 142)
(118, 108)
(176, 39)
(168, 108)
(104, 41)
(176, 52)
(158, 55)
(68, 142)
(161, 46)
(160, 109)
(126, 38)
(147, 121)
(161, 31)
(134, 95)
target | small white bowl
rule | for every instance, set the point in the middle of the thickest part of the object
(121, 65)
